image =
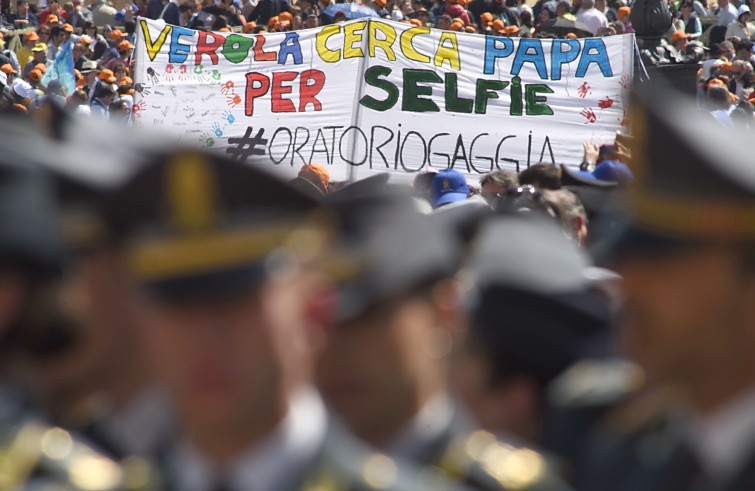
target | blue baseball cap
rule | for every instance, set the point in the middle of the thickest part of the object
(448, 186)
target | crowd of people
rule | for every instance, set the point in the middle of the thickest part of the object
(719, 37)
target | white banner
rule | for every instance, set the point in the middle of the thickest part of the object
(370, 96)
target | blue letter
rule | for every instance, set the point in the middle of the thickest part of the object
(293, 49)
(523, 56)
(493, 52)
(179, 52)
(559, 56)
(598, 55)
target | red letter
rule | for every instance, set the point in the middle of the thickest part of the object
(260, 55)
(281, 105)
(207, 45)
(308, 91)
(253, 92)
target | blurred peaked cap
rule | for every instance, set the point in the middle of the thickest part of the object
(373, 185)
(531, 300)
(694, 178)
(29, 234)
(463, 218)
(395, 249)
(308, 187)
(529, 253)
(198, 224)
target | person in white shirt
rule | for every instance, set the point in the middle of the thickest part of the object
(727, 13)
(591, 19)
(741, 28)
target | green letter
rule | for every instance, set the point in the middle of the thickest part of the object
(372, 77)
(533, 101)
(454, 103)
(484, 90)
(412, 92)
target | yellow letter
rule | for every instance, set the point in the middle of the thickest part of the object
(326, 54)
(449, 54)
(154, 48)
(406, 44)
(385, 44)
(353, 34)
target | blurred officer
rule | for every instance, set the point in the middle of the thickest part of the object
(124, 411)
(385, 368)
(689, 281)
(34, 454)
(533, 313)
(231, 313)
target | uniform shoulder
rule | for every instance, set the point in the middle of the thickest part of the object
(482, 461)
(32, 451)
(347, 465)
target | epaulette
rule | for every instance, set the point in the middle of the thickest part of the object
(647, 411)
(593, 383)
(484, 462)
(52, 455)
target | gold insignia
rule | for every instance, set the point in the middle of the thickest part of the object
(379, 471)
(191, 193)
(446, 184)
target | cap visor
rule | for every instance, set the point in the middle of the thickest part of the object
(572, 177)
(213, 285)
(449, 198)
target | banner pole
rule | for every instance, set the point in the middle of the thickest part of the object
(138, 75)
(356, 114)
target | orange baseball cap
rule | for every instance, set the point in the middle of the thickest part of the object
(84, 39)
(224, 29)
(457, 25)
(35, 75)
(380, 3)
(68, 27)
(416, 22)
(470, 29)
(510, 30)
(31, 36)
(41, 67)
(249, 27)
(498, 25)
(623, 12)
(125, 46)
(678, 36)
(124, 81)
(316, 173)
(107, 76)
(486, 18)
(571, 35)
(285, 16)
(8, 69)
(116, 34)
(52, 19)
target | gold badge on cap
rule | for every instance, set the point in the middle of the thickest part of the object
(191, 193)
(446, 184)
